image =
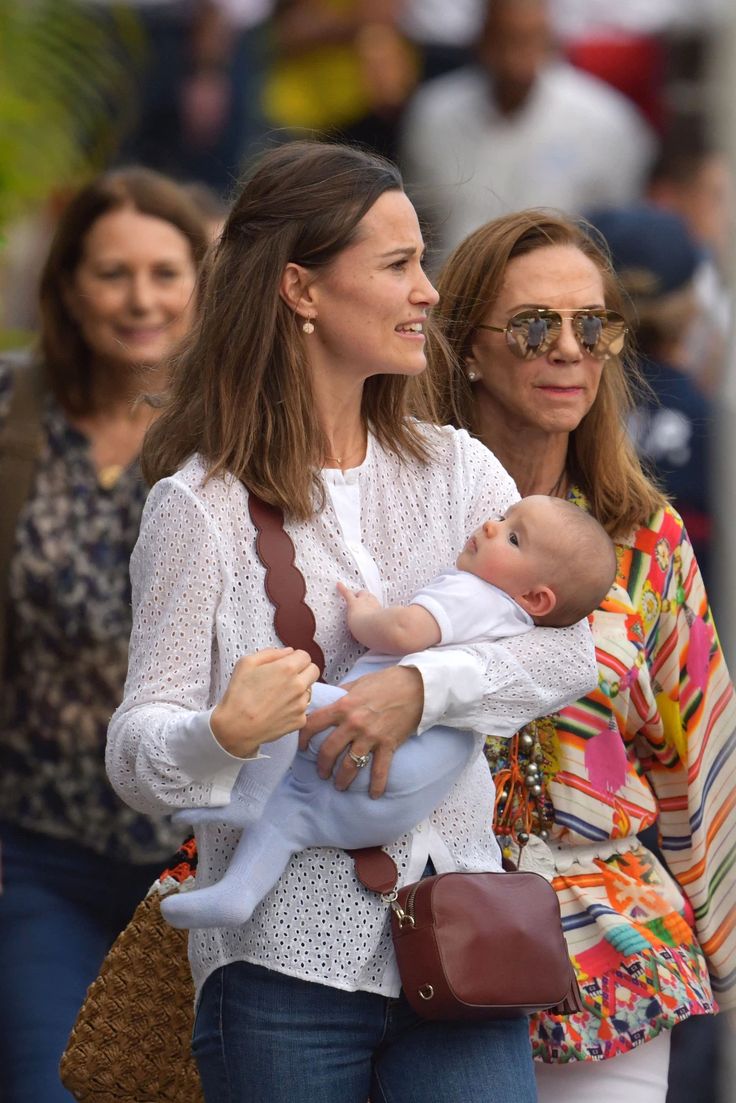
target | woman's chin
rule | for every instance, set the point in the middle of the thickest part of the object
(561, 421)
(133, 359)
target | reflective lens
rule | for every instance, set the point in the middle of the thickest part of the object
(532, 333)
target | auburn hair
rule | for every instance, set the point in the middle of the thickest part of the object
(241, 392)
(67, 359)
(601, 458)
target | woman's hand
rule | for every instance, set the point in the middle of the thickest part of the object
(266, 697)
(376, 715)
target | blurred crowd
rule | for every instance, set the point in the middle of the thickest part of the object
(488, 106)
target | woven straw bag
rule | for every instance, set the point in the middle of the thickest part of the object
(131, 1040)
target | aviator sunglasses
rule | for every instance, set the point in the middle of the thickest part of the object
(531, 333)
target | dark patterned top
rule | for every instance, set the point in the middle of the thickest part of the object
(69, 619)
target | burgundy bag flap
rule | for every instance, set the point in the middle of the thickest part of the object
(482, 941)
(375, 868)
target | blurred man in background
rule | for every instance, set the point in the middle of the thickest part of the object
(521, 128)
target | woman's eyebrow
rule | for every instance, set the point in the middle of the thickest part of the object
(406, 251)
(561, 310)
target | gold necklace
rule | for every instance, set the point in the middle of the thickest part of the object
(342, 460)
(109, 475)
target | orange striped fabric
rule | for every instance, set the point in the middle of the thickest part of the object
(655, 742)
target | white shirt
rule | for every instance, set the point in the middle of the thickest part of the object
(468, 608)
(575, 144)
(199, 604)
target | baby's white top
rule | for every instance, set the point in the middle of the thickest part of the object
(468, 609)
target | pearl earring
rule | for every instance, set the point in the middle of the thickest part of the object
(308, 326)
(473, 376)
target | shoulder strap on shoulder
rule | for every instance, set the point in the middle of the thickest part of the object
(21, 440)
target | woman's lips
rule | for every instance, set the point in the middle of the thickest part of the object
(565, 392)
(139, 336)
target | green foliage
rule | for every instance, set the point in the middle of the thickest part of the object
(65, 85)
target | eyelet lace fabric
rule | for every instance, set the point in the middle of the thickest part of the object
(199, 605)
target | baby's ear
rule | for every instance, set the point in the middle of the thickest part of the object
(538, 602)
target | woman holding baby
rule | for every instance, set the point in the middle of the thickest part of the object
(297, 386)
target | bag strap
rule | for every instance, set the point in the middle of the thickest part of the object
(295, 626)
(21, 441)
(285, 586)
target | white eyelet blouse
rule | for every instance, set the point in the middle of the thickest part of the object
(199, 604)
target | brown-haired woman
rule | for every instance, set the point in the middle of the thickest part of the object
(298, 385)
(533, 311)
(117, 296)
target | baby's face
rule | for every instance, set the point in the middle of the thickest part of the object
(510, 551)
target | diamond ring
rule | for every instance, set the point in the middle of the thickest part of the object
(360, 760)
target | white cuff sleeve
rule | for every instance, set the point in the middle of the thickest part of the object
(193, 747)
(453, 680)
(496, 688)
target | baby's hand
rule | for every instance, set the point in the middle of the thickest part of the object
(359, 603)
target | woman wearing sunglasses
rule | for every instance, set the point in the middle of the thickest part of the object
(533, 310)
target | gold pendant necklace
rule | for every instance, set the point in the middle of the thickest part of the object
(342, 460)
(108, 476)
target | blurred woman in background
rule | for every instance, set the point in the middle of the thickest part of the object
(117, 297)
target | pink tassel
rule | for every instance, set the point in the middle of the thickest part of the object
(698, 656)
(605, 761)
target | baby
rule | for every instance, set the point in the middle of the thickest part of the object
(546, 562)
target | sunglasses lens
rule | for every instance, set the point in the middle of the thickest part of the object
(589, 328)
(531, 334)
(602, 334)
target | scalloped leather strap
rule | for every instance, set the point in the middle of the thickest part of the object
(285, 586)
(295, 626)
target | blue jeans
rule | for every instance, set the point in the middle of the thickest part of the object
(60, 909)
(263, 1037)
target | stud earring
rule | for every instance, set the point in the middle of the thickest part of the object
(308, 326)
(473, 376)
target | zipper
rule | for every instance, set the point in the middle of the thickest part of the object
(410, 901)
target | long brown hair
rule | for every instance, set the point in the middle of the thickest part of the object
(241, 393)
(601, 458)
(66, 357)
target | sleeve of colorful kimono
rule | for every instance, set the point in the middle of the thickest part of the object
(692, 768)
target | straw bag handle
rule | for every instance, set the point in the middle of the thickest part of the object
(295, 626)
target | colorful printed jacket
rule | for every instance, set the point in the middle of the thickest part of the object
(653, 743)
